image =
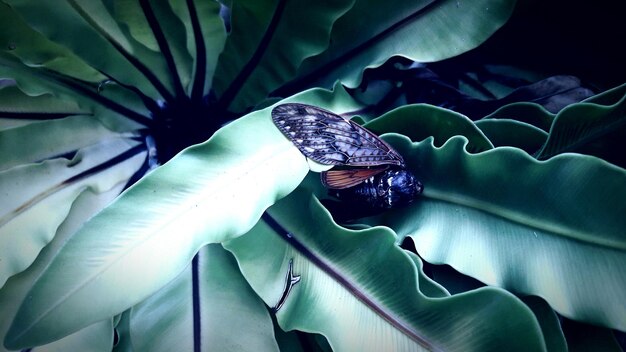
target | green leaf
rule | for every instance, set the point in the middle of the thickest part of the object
(108, 102)
(421, 121)
(529, 113)
(231, 317)
(423, 31)
(170, 29)
(209, 193)
(36, 198)
(359, 290)
(206, 43)
(267, 43)
(527, 226)
(96, 337)
(98, 39)
(512, 133)
(48, 138)
(596, 127)
(549, 321)
(15, 290)
(33, 49)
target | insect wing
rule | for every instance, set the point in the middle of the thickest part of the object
(330, 139)
(340, 179)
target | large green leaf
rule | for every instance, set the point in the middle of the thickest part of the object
(512, 133)
(33, 49)
(36, 198)
(230, 316)
(424, 31)
(268, 42)
(98, 39)
(421, 121)
(17, 287)
(361, 291)
(209, 193)
(596, 127)
(553, 229)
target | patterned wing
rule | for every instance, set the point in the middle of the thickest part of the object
(340, 179)
(329, 139)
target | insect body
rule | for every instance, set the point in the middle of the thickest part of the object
(369, 170)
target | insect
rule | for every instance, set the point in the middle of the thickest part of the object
(367, 170)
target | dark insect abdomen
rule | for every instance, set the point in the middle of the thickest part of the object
(388, 189)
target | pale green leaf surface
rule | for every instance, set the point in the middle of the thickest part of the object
(231, 316)
(97, 337)
(95, 37)
(512, 133)
(14, 291)
(511, 221)
(423, 31)
(36, 198)
(209, 193)
(349, 280)
(212, 31)
(302, 30)
(421, 121)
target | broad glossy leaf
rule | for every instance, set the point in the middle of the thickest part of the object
(529, 113)
(34, 49)
(86, 205)
(36, 198)
(359, 290)
(39, 128)
(554, 228)
(424, 31)
(268, 42)
(94, 338)
(98, 39)
(549, 321)
(512, 133)
(209, 193)
(421, 121)
(229, 316)
(596, 127)
(112, 105)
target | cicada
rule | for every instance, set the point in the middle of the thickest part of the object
(367, 170)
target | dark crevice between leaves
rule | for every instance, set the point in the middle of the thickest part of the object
(197, 90)
(72, 180)
(307, 80)
(235, 86)
(163, 47)
(343, 281)
(145, 71)
(197, 323)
